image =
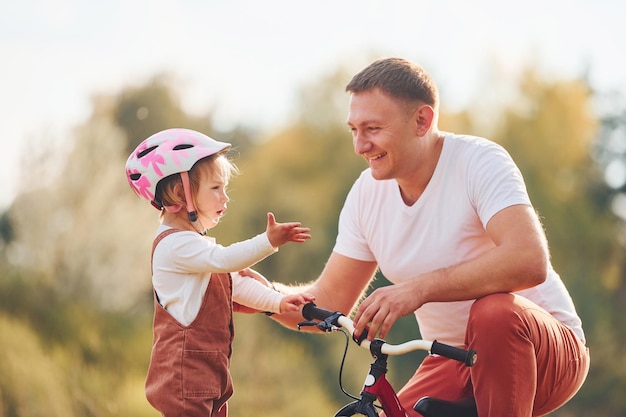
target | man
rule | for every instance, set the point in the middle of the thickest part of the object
(448, 221)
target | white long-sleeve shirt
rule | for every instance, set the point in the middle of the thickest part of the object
(182, 265)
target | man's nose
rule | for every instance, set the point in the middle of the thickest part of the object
(360, 143)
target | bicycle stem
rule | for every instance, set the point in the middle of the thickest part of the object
(377, 386)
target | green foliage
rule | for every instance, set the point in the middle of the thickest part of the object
(274, 375)
(65, 358)
(32, 381)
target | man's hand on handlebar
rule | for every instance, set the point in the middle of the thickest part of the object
(380, 310)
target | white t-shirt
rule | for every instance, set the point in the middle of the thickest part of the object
(183, 263)
(474, 179)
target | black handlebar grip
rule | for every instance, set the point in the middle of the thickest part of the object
(468, 357)
(310, 311)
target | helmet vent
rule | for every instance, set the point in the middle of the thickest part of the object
(182, 146)
(135, 176)
(146, 151)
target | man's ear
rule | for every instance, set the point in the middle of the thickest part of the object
(424, 117)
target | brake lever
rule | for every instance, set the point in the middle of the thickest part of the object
(306, 324)
(325, 325)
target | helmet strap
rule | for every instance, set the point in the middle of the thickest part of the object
(191, 210)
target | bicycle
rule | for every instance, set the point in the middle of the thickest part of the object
(376, 386)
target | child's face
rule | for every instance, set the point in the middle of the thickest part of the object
(212, 198)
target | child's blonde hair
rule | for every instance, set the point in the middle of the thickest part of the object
(169, 190)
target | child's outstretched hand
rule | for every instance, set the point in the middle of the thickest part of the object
(281, 233)
(292, 302)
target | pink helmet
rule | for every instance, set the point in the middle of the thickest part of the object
(171, 151)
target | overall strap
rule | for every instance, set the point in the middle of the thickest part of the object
(160, 238)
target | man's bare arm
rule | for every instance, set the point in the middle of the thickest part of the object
(518, 261)
(340, 286)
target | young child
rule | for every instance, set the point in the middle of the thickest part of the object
(184, 174)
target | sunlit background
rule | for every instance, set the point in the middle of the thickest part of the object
(244, 59)
(82, 82)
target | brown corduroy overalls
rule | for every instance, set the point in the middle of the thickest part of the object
(189, 367)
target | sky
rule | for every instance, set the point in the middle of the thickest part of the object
(246, 59)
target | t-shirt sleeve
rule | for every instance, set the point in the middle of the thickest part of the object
(495, 182)
(350, 239)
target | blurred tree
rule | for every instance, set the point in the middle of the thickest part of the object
(144, 110)
(68, 239)
(274, 375)
(32, 383)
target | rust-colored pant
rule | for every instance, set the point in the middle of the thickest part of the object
(529, 363)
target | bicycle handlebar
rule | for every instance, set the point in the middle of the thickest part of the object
(329, 319)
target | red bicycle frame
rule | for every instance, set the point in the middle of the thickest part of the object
(376, 386)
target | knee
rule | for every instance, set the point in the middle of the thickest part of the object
(493, 314)
(492, 304)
